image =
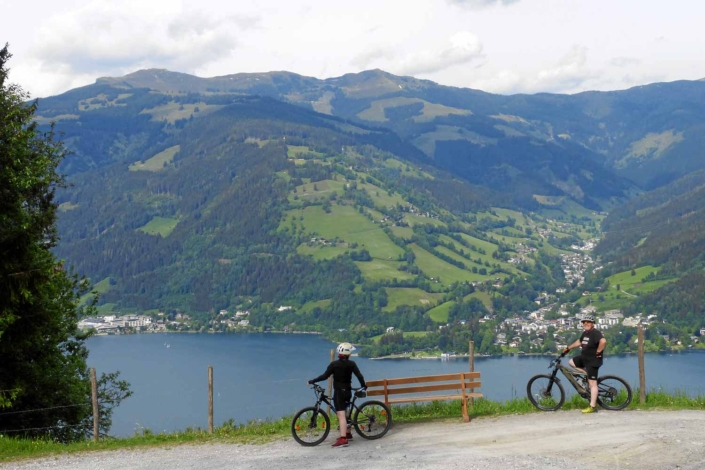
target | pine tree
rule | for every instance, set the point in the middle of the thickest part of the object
(42, 352)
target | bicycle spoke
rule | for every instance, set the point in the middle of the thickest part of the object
(544, 396)
(309, 429)
(612, 393)
(372, 420)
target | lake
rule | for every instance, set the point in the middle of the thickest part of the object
(259, 376)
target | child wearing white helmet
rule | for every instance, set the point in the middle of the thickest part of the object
(342, 370)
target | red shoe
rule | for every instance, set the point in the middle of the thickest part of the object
(341, 442)
(349, 436)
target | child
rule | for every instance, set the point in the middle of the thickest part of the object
(342, 371)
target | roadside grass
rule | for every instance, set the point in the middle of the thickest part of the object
(260, 432)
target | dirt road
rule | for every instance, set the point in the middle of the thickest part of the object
(564, 440)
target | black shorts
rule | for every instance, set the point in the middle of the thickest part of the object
(590, 366)
(341, 398)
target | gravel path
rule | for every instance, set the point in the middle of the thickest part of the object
(564, 440)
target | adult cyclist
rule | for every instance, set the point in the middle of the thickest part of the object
(342, 370)
(592, 345)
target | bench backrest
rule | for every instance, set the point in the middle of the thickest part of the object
(456, 381)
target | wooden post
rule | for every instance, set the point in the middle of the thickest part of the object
(642, 375)
(210, 399)
(330, 379)
(94, 396)
(471, 351)
(466, 418)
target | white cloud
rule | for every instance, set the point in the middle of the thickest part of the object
(106, 36)
(462, 48)
(568, 75)
(624, 61)
(479, 4)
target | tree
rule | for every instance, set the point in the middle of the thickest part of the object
(43, 354)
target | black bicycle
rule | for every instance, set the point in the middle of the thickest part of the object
(311, 425)
(547, 394)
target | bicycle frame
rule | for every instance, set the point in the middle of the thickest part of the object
(569, 374)
(321, 397)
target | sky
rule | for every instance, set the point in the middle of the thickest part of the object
(499, 46)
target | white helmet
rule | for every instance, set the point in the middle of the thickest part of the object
(345, 349)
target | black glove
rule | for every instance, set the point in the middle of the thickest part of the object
(310, 382)
(598, 355)
(566, 351)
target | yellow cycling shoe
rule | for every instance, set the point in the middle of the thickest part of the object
(590, 409)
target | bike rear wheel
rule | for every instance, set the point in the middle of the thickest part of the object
(372, 420)
(310, 426)
(613, 393)
(544, 393)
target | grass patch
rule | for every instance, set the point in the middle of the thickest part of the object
(293, 151)
(413, 219)
(403, 232)
(162, 226)
(320, 252)
(345, 223)
(484, 297)
(378, 270)
(157, 162)
(309, 306)
(397, 296)
(99, 288)
(67, 206)
(173, 111)
(440, 314)
(438, 269)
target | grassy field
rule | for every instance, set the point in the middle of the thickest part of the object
(403, 232)
(440, 314)
(413, 219)
(408, 296)
(320, 252)
(487, 246)
(380, 197)
(173, 111)
(309, 306)
(162, 226)
(407, 334)
(484, 297)
(377, 270)
(317, 190)
(100, 287)
(157, 162)
(67, 206)
(349, 225)
(630, 287)
(293, 151)
(437, 268)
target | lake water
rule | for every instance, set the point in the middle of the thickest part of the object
(258, 376)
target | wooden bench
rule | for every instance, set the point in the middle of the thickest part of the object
(460, 382)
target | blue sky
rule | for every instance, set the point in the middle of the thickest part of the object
(501, 46)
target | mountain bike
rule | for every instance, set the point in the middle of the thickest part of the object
(311, 425)
(546, 392)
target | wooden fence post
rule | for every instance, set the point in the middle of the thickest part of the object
(471, 351)
(642, 374)
(210, 399)
(330, 379)
(94, 396)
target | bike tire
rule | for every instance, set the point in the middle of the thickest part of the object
(546, 405)
(612, 396)
(378, 416)
(303, 424)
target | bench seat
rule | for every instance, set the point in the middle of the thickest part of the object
(433, 398)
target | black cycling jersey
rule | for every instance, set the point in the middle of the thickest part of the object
(589, 341)
(342, 371)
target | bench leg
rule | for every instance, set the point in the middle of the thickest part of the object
(466, 418)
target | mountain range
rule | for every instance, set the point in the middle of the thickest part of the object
(368, 189)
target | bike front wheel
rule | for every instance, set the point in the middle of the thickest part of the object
(545, 393)
(372, 420)
(613, 393)
(310, 426)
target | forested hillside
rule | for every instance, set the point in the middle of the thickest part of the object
(353, 217)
